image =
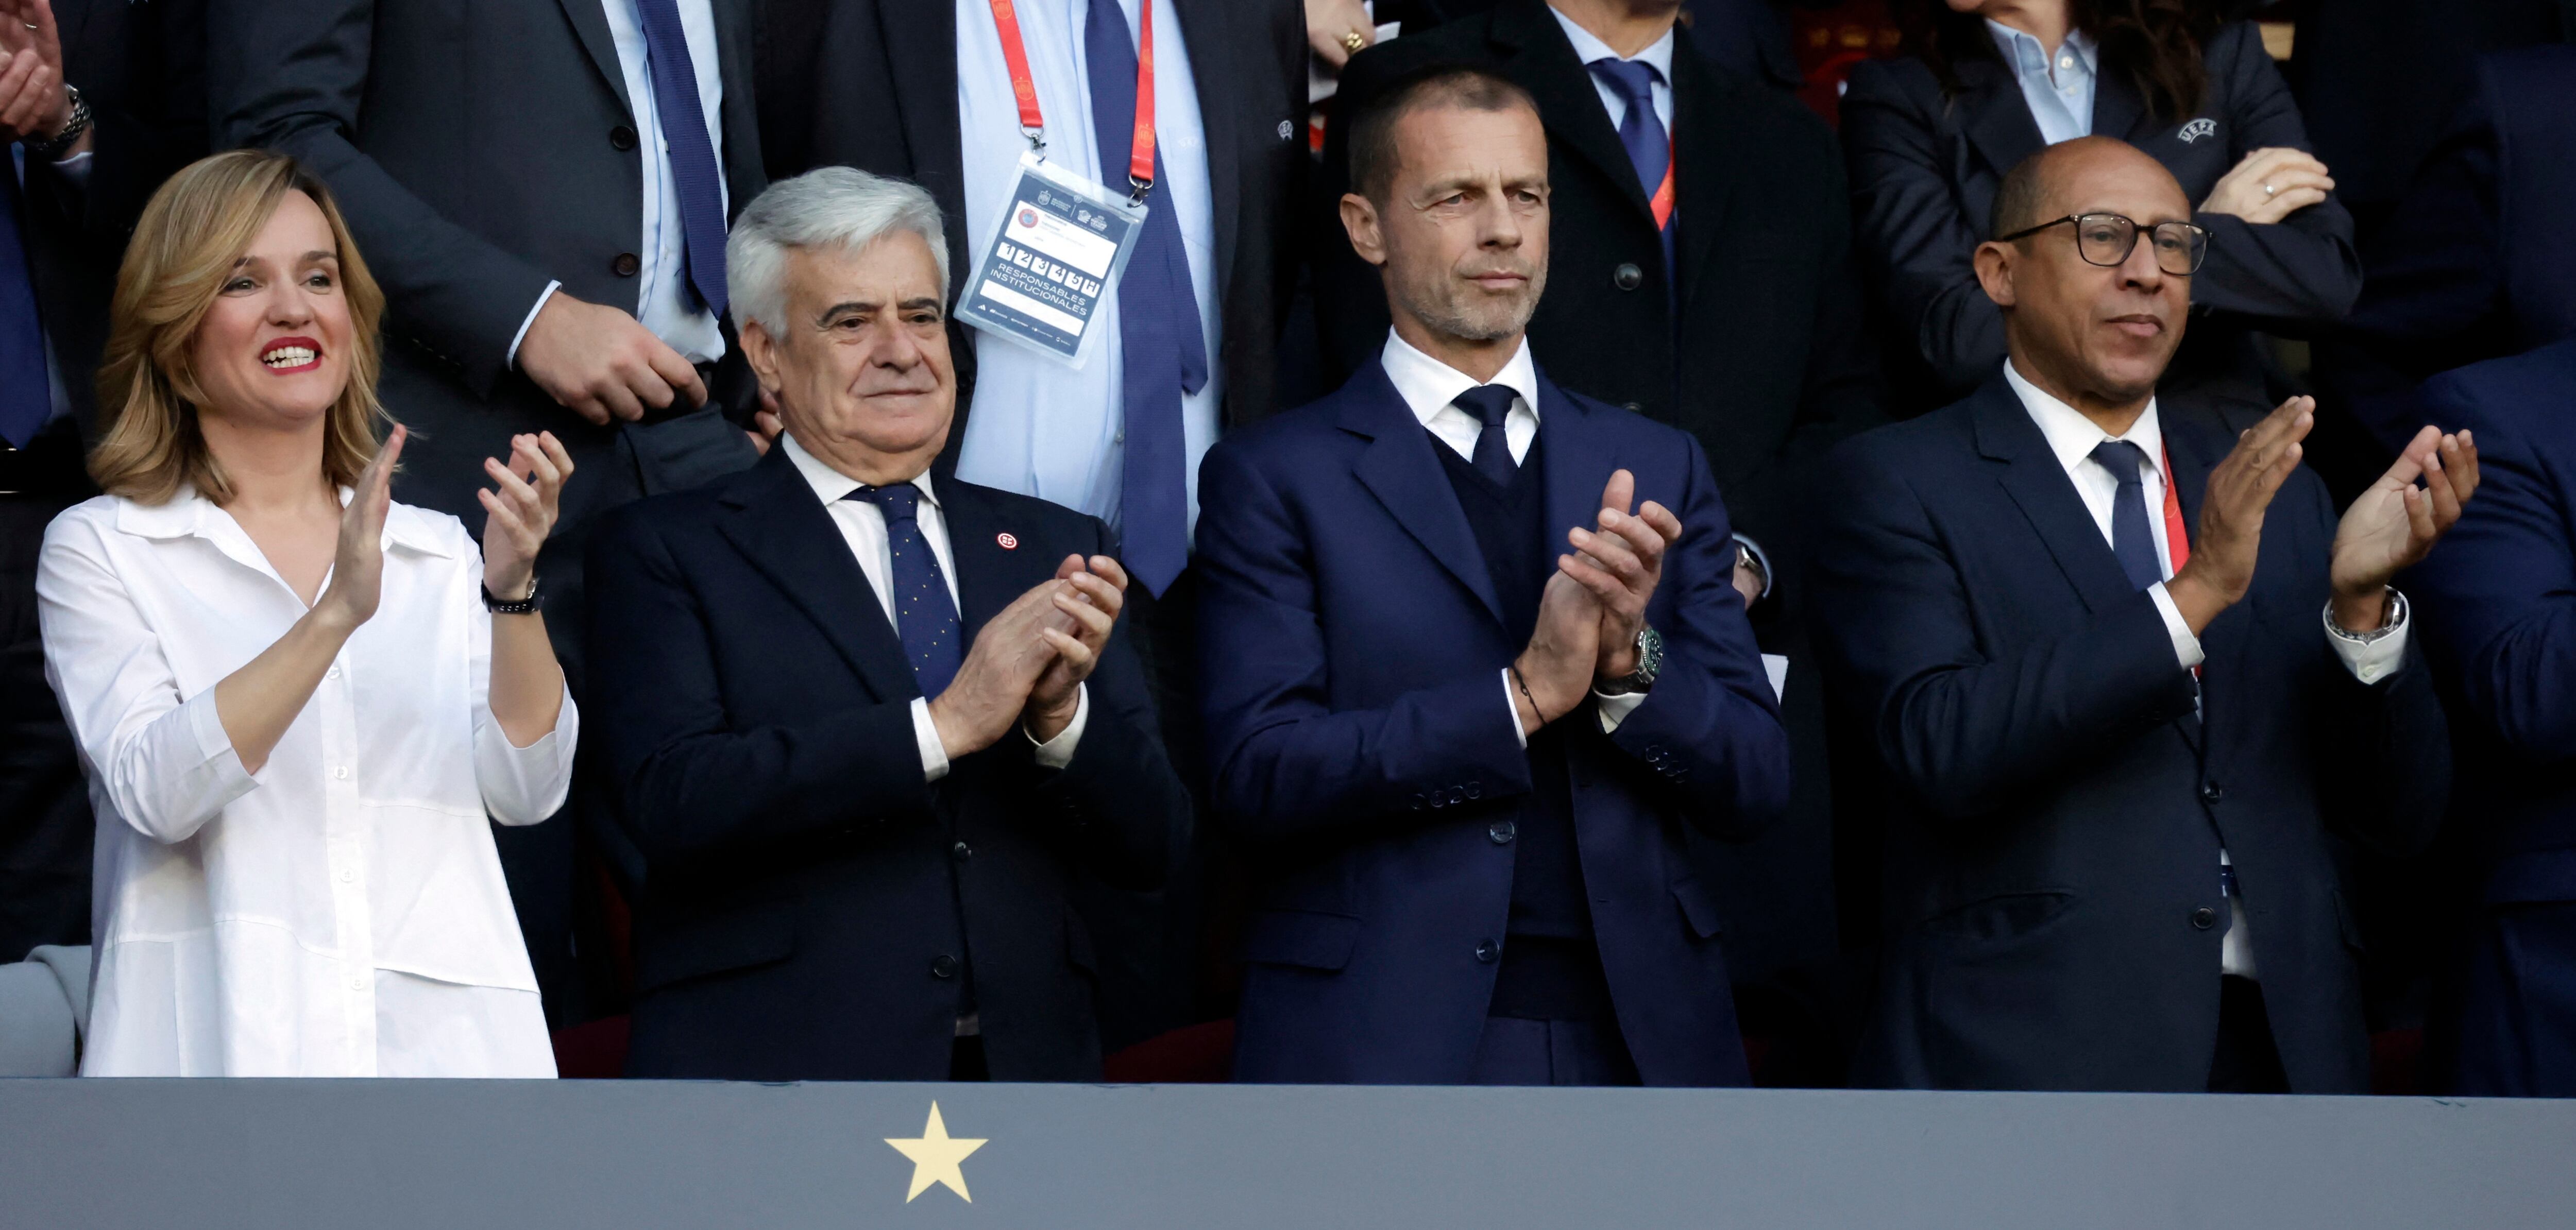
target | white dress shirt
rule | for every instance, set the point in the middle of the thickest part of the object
(2072, 438)
(1658, 54)
(341, 912)
(2058, 89)
(664, 302)
(1039, 427)
(1430, 389)
(863, 526)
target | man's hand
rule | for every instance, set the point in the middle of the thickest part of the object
(2231, 514)
(600, 364)
(34, 105)
(2395, 524)
(1091, 600)
(1748, 583)
(765, 423)
(2268, 185)
(993, 683)
(1556, 668)
(1620, 566)
(1331, 23)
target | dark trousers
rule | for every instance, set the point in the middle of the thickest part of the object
(966, 1060)
(1571, 1053)
(2247, 1061)
(45, 827)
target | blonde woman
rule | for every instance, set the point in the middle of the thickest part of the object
(293, 705)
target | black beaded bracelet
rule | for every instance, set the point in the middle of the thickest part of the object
(503, 606)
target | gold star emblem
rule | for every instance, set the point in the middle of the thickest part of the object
(935, 1155)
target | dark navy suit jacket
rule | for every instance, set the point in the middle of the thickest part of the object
(2499, 600)
(1356, 722)
(808, 895)
(2478, 260)
(2015, 719)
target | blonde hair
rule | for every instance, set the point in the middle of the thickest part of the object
(184, 249)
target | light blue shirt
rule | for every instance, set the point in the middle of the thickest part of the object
(664, 302)
(1038, 427)
(2060, 91)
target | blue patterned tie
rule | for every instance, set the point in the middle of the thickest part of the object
(1162, 348)
(26, 397)
(2131, 540)
(1641, 133)
(925, 615)
(693, 157)
(1491, 404)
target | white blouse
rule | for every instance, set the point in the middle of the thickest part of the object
(341, 912)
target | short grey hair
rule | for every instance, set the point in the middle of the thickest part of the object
(836, 206)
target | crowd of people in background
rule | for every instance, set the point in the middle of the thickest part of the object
(582, 537)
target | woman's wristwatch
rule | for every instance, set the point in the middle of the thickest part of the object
(504, 606)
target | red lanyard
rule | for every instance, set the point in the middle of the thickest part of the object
(2177, 546)
(1024, 91)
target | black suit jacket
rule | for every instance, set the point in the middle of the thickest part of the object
(481, 151)
(1767, 364)
(872, 84)
(2053, 811)
(811, 895)
(1925, 167)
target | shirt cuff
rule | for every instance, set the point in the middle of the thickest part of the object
(1057, 752)
(925, 735)
(1512, 705)
(2186, 647)
(1761, 560)
(76, 167)
(522, 334)
(1615, 709)
(2376, 659)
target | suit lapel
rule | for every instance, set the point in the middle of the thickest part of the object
(920, 38)
(1399, 468)
(1705, 145)
(2223, 643)
(590, 22)
(988, 577)
(1577, 465)
(2034, 480)
(2118, 109)
(1995, 117)
(1542, 61)
(774, 520)
(1204, 31)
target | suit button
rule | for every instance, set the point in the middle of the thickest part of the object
(2213, 793)
(1633, 407)
(626, 264)
(1502, 831)
(962, 851)
(1627, 276)
(1487, 950)
(1475, 790)
(943, 966)
(1417, 802)
(621, 138)
(2204, 918)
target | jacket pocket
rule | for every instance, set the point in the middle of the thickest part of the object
(714, 943)
(1302, 938)
(1699, 907)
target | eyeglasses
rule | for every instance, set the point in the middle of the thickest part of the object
(2107, 240)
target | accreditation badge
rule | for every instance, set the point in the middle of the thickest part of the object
(1060, 248)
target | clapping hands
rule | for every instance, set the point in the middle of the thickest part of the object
(2395, 524)
(1029, 662)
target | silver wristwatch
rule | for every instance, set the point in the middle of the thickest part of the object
(1650, 662)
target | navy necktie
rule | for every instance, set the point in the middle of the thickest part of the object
(1641, 133)
(925, 616)
(2131, 540)
(1491, 404)
(693, 157)
(26, 397)
(1162, 349)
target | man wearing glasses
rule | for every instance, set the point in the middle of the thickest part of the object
(2110, 679)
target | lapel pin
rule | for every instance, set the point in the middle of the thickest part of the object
(1010, 542)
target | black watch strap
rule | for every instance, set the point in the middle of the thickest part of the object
(503, 606)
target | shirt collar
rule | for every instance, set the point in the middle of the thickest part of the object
(830, 485)
(2026, 56)
(2073, 437)
(188, 513)
(1658, 55)
(1428, 385)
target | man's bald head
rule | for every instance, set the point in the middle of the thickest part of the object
(2034, 190)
